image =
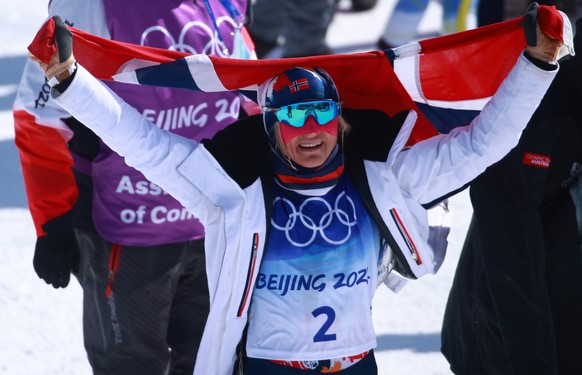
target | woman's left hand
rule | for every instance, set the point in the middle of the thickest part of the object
(543, 27)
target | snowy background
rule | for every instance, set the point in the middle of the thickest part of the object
(40, 327)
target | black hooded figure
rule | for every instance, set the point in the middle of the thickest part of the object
(515, 306)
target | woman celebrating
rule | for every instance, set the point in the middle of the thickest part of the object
(304, 214)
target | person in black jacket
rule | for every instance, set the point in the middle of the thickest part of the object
(516, 300)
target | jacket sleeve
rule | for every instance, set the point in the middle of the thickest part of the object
(432, 168)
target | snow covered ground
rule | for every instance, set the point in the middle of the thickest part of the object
(40, 327)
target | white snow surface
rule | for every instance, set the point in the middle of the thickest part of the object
(41, 328)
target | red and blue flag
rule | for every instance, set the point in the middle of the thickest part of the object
(447, 79)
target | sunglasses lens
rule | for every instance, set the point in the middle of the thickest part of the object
(296, 114)
(325, 112)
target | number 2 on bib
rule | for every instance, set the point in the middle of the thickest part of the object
(322, 334)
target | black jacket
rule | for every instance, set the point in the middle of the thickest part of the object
(515, 306)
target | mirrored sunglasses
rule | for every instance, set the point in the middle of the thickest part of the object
(295, 114)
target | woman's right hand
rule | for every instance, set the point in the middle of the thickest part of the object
(52, 49)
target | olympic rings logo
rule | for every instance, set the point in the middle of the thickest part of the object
(313, 226)
(215, 46)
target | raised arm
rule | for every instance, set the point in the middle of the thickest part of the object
(154, 152)
(435, 167)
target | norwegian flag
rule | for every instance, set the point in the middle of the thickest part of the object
(447, 80)
(298, 85)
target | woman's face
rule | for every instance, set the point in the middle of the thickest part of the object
(311, 144)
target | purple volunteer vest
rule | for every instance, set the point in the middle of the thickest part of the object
(128, 209)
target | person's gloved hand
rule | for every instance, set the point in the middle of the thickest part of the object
(543, 27)
(56, 255)
(52, 48)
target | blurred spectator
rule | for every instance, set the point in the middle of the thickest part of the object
(490, 11)
(299, 26)
(516, 300)
(402, 25)
(493, 11)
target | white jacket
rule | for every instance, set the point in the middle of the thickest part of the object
(235, 219)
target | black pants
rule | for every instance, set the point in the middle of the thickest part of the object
(254, 366)
(152, 322)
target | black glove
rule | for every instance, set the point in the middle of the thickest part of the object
(529, 23)
(56, 254)
(52, 48)
(63, 39)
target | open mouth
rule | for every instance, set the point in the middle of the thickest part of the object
(310, 145)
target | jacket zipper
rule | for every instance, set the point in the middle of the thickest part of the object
(250, 272)
(407, 239)
(113, 264)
